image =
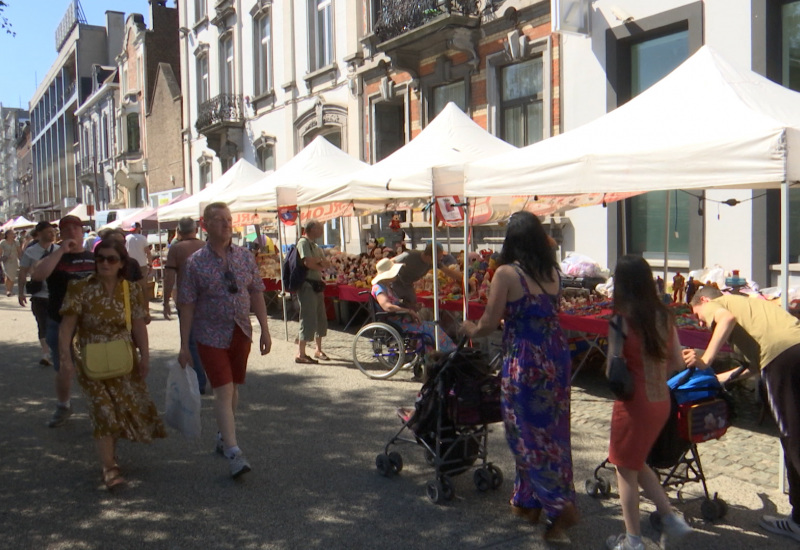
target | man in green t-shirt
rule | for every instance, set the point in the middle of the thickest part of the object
(313, 318)
(769, 337)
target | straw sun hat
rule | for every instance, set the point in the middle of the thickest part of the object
(387, 269)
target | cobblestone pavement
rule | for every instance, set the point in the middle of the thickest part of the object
(311, 433)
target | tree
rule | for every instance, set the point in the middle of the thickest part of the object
(5, 24)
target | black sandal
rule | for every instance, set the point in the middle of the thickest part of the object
(305, 359)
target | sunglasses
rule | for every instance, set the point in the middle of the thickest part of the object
(111, 260)
(233, 288)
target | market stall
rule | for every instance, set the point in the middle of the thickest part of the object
(239, 176)
(705, 125)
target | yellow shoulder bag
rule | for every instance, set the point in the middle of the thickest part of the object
(104, 360)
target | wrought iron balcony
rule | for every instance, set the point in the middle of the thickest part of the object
(222, 110)
(397, 17)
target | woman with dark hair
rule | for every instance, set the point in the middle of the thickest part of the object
(119, 407)
(651, 350)
(525, 291)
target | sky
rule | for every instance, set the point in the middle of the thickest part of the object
(26, 57)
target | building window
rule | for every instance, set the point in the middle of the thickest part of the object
(389, 120)
(203, 92)
(266, 158)
(444, 94)
(104, 137)
(651, 60)
(132, 123)
(205, 164)
(226, 60)
(199, 10)
(522, 103)
(321, 33)
(262, 57)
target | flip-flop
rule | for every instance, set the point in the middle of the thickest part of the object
(321, 355)
(305, 359)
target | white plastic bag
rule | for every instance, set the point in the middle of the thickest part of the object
(182, 401)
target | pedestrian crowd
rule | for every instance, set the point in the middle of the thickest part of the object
(83, 298)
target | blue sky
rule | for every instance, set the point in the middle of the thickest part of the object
(26, 58)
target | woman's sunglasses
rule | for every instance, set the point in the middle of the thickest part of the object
(111, 260)
(233, 288)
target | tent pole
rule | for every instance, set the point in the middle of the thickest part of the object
(435, 271)
(785, 244)
(666, 240)
(465, 293)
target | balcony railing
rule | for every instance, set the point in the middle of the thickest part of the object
(224, 108)
(397, 17)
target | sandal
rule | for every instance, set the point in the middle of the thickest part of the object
(305, 359)
(321, 355)
(112, 478)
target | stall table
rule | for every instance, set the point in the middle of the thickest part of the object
(592, 328)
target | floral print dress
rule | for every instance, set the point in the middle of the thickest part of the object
(119, 407)
(536, 402)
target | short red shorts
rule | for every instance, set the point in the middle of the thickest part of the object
(224, 366)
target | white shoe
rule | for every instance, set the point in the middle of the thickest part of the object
(675, 527)
(621, 542)
(239, 465)
(785, 526)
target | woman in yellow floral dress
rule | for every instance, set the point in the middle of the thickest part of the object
(119, 407)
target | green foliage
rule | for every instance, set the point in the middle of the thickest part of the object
(5, 24)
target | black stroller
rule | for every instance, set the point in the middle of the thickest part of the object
(701, 411)
(450, 421)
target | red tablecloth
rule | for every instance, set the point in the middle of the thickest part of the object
(331, 290)
(271, 284)
(352, 294)
(593, 324)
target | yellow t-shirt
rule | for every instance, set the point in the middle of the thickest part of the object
(763, 330)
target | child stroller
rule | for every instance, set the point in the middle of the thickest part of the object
(450, 422)
(701, 411)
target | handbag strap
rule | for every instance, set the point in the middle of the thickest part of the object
(126, 293)
(616, 336)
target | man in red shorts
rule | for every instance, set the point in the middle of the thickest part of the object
(218, 288)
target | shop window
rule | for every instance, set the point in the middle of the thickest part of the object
(226, 60)
(262, 58)
(444, 94)
(522, 103)
(320, 34)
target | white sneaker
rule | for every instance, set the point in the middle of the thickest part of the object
(675, 527)
(785, 526)
(239, 465)
(621, 542)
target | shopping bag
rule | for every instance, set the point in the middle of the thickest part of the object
(182, 406)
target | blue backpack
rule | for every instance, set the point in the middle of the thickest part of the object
(294, 270)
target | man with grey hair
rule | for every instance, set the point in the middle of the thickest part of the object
(313, 319)
(769, 337)
(179, 252)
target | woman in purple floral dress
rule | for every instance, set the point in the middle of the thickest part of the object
(525, 293)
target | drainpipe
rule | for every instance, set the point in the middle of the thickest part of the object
(186, 93)
(292, 64)
(240, 65)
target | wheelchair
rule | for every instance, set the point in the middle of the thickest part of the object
(381, 348)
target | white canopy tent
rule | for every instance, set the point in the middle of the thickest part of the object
(318, 161)
(239, 176)
(705, 125)
(20, 222)
(430, 164)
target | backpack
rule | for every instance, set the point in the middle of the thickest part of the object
(294, 270)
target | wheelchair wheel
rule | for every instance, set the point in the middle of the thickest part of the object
(378, 350)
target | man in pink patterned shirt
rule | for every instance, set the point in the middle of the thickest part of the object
(219, 288)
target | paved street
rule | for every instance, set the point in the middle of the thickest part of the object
(311, 433)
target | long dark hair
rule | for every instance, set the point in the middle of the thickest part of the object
(527, 243)
(636, 297)
(113, 243)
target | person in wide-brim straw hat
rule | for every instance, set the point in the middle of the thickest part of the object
(406, 318)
